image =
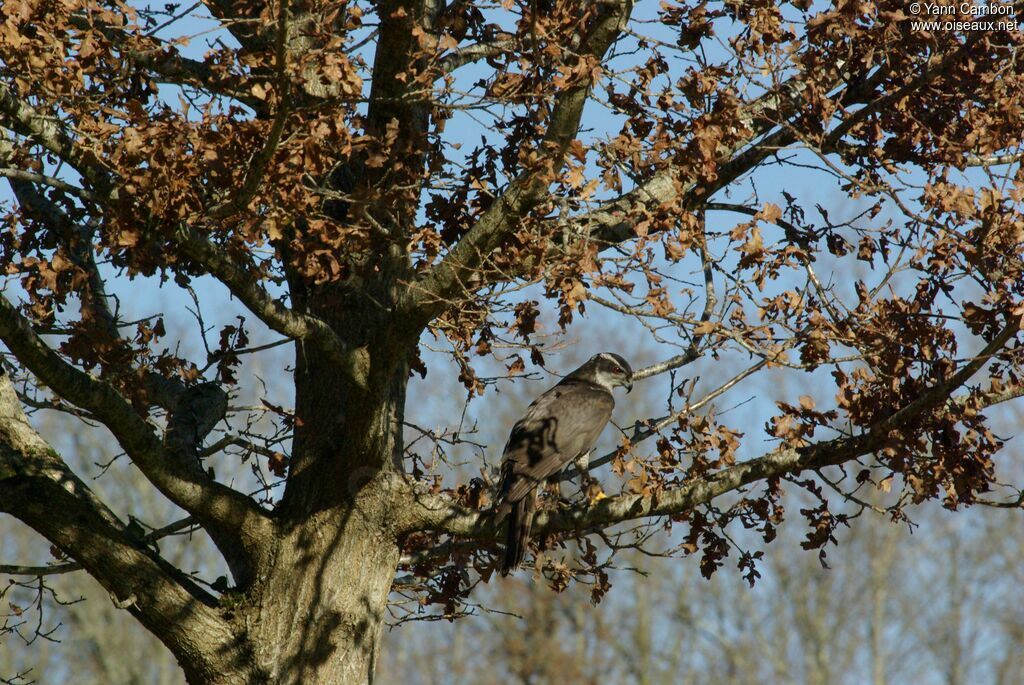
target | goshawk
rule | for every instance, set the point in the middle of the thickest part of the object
(561, 426)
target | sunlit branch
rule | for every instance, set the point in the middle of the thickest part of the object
(32, 177)
(430, 512)
(21, 117)
(469, 54)
(287, 322)
(435, 289)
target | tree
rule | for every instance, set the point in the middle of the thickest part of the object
(311, 163)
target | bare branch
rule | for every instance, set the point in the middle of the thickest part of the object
(56, 569)
(460, 57)
(993, 160)
(32, 177)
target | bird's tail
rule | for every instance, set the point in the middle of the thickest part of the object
(517, 536)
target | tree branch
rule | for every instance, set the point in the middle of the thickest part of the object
(439, 513)
(258, 165)
(460, 57)
(611, 222)
(993, 160)
(56, 569)
(184, 434)
(928, 74)
(72, 566)
(171, 67)
(247, 30)
(77, 240)
(32, 177)
(24, 119)
(232, 519)
(355, 362)
(37, 487)
(165, 61)
(436, 288)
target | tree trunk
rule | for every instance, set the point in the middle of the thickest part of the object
(317, 614)
(315, 608)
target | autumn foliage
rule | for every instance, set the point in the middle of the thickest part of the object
(394, 186)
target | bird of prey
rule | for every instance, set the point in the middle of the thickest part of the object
(562, 425)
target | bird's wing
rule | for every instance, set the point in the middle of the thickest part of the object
(560, 424)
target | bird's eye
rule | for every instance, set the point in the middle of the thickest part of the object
(618, 369)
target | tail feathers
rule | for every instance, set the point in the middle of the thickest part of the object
(504, 506)
(517, 537)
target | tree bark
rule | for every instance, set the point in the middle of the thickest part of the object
(318, 612)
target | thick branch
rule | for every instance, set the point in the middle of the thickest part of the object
(231, 518)
(469, 54)
(72, 566)
(21, 117)
(287, 322)
(37, 487)
(440, 285)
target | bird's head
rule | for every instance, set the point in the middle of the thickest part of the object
(609, 370)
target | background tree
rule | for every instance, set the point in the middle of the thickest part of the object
(319, 162)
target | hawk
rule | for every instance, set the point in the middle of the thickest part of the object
(562, 425)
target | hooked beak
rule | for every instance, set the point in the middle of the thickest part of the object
(629, 387)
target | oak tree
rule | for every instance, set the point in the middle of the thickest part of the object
(382, 183)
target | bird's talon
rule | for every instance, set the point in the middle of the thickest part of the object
(593, 492)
